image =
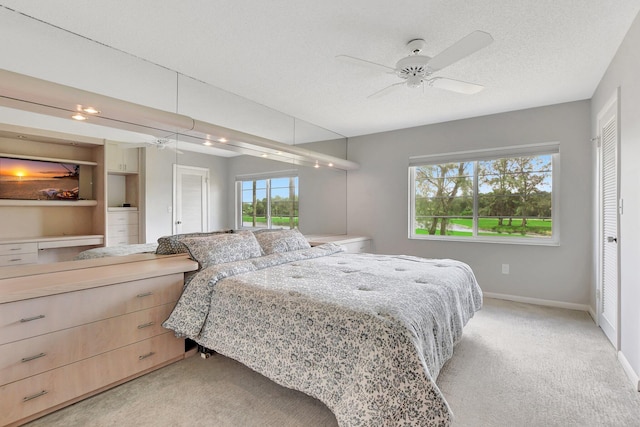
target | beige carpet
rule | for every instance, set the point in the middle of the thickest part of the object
(517, 365)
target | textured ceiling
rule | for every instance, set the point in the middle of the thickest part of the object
(281, 53)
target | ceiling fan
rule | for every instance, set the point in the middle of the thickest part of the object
(160, 144)
(416, 70)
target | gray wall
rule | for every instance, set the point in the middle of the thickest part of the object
(378, 199)
(623, 72)
(323, 191)
(158, 176)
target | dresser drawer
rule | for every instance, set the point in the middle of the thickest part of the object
(35, 355)
(124, 234)
(38, 393)
(18, 248)
(37, 316)
(19, 259)
(123, 230)
(118, 218)
(122, 241)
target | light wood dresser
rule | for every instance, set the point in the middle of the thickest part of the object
(73, 329)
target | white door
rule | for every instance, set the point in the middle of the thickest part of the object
(190, 199)
(609, 293)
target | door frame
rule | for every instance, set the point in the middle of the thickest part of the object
(204, 173)
(613, 102)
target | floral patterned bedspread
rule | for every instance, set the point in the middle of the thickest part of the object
(118, 251)
(365, 334)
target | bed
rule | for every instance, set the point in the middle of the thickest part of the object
(166, 245)
(366, 334)
(122, 250)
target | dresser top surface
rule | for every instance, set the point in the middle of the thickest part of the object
(34, 281)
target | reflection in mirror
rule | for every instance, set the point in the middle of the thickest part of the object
(150, 187)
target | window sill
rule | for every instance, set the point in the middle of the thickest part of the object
(500, 241)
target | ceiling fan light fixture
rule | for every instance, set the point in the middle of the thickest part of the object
(414, 81)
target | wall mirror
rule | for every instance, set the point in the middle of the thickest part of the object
(85, 65)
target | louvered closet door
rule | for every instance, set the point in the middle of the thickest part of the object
(608, 316)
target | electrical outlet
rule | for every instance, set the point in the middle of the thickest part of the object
(505, 268)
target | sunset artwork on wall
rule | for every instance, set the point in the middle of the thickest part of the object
(27, 179)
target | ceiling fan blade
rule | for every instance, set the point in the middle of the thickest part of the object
(385, 91)
(464, 47)
(167, 144)
(455, 85)
(364, 62)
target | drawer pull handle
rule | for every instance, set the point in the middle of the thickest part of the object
(146, 294)
(33, 396)
(15, 249)
(15, 259)
(144, 356)
(146, 325)
(30, 358)
(29, 319)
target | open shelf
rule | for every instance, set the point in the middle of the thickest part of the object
(66, 203)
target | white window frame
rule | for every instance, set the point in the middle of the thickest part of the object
(261, 177)
(548, 148)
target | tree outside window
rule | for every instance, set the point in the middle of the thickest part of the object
(508, 197)
(270, 203)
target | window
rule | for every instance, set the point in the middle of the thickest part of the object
(267, 202)
(504, 195)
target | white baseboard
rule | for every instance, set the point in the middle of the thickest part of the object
(538, 301)
(593, 315)
(635, 379)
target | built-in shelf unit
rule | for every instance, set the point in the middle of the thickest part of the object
(123, 195)
(79, 222)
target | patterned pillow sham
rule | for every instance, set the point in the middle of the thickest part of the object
(221, 248)
(169, 245)
(277, 241)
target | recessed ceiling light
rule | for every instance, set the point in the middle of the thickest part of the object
(207, 143)
(316, 165)
(90, 110)
(223, 140)
(330, 165)
(264, 154)
(78, 116)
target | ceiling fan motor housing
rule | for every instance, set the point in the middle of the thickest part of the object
(413, 69)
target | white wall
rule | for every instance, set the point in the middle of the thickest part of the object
(378, 199)
(45, 52)
(624, 72)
